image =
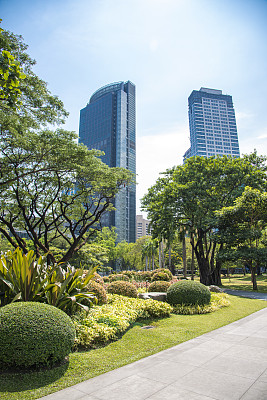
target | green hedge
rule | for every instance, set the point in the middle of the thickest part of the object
(159, 286)
(188, 293)
(122, 288)
(33, 334)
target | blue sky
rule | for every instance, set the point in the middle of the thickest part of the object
(167, 48)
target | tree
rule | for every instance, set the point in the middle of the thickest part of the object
(193, 192)
(51, 187)
(10, 77)
(62, 191)
(240, 229)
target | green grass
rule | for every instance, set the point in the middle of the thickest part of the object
(241, 282)
(135, 344)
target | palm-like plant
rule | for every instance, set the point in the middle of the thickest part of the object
(23, 276)
(68, 291)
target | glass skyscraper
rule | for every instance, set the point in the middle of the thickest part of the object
(107, 123)
(212, 124)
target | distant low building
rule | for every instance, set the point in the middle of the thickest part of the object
(142, 227)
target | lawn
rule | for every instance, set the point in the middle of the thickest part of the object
(241, 282)
(136, 343)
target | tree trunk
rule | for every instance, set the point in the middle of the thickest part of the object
(253, 277)
(184, 257)
(146, 263)
(162, 255)
(192, 258)
(159, 254)
(153, 262)
(170, 258)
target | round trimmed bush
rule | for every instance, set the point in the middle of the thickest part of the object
(165, 270)
(130, 274)
(141, 276)
(160, 276)
(118, 277)
(98, 279)
(188, 293)
(123, 288)
(98, 291)
(159, 286)
(106, 279)
(34, 334)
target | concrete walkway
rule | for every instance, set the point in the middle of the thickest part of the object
(229, 363)
(243, 293)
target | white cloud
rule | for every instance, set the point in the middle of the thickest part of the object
(156, 153)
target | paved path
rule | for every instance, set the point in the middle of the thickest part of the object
(251, 295)
(229, 363)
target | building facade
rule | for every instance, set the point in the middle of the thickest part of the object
(142, 227)
(212, 124)
(107, 123)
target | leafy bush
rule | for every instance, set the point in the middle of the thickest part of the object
(188, 293)
(122, 288)
(98, 291)
(130, 274)
(118, 277)
(218, 300)
(23, 276)
(159, 286)
(67, 289)
(141, 276)
(106, 279)
(108, 322)
(165, 270)
(160, 276)
(98, 279)
(33, 334)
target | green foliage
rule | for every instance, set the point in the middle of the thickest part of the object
(23, 276)
(118, 277)
(188, 293)
(109, 321)
(188, 196)
(141, 276)
(34, 334)
(159, 286)
(218, 300)
(98, 291)
(122, 288)
(98, 279)
(106, 279)
(165, 271)
(160, 276)
(67, 289)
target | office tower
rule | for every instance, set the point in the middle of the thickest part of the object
(212, 124)
(142, 227)
(107, 123)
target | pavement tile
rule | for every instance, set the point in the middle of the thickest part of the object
(174, 393)
(263, 376)
(247, 353)
(193, 357)
(215, 346)
(258, 391)
(255, 342)
(235, 366)
(214, 384)
(70, 393)
(228, 337)
(166, 372)
(132, 388)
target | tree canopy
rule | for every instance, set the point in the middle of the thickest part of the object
(50, 186)
(190, 194)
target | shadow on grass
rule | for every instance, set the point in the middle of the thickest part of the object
(29, 380)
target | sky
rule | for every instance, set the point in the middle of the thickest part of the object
(167, 48)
